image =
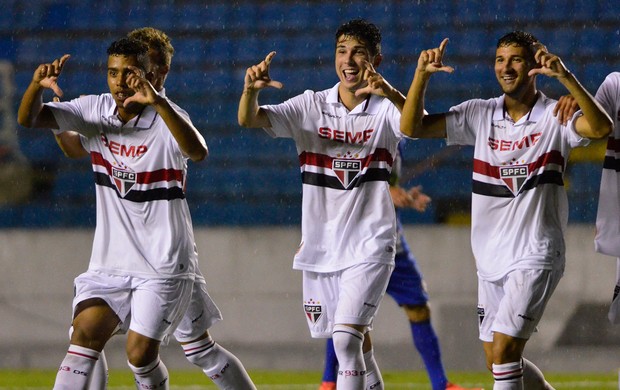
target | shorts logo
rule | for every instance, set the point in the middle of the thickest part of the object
(514, 176)
(480, 315)
(313, 310)
(346, 170)
(123, 180)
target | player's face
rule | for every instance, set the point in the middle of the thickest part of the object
(351, 57)
(511, 69)
(158, 71)
(118, 70)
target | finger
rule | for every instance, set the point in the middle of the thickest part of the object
(57, 90)
(269, 57)
(443, 44)
(63, 59)
(275, 84)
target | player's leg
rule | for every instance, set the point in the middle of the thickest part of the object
(614, 308)
(157, 306)
(99, 375)
(93, 325)
(219, 364)
(330, 368)
(361, 289)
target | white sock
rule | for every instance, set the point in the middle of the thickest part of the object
(99, 376)
(374, 381)
(508, 376)
(76, 368)
(351, 367)
(152, 376)
(533, 378)
(221, 366)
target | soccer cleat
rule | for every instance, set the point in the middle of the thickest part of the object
(328, 386)
(452, 386)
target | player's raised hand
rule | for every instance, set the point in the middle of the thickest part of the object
(431, 60)
(257, 76)
(420, 200)
(549, 64)
(565, 108)
(46, 75)
(375, 83)
(144, 92)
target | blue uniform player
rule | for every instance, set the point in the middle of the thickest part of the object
(407, 288)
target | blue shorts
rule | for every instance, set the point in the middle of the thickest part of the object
(406, 285)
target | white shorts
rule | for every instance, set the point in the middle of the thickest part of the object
(514, 304)
(201, 314)
(349, 296)
(614, 308)
(151, 307)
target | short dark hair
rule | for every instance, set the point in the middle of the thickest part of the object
(157, 40)
(131, 47)
(364, 31)
(521, 39)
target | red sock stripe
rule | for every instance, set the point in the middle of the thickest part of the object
(82, 355)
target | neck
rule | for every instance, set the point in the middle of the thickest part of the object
(349, 99)
(518, 106)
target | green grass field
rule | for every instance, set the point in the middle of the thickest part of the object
(309, 380)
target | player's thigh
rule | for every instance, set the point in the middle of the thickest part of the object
(361, 290)
(201, 314)
(526, 293)
(157, 306)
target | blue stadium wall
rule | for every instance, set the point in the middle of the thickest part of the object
(249, 178)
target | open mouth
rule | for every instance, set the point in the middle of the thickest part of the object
(350, 75)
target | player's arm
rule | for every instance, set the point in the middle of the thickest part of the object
(32, 112)
(256, 78)
(190, 141)
(413, 121)
(595, 123)
(70, 144)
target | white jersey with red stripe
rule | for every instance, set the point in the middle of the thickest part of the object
(519, 205)
(144, 227)
(607, 239)
(345, 157)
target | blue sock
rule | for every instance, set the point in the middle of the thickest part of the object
(330, 372)
(425, 341)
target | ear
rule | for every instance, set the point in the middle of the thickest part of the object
(377, 60)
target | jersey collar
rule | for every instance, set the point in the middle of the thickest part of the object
(142, 121)
(369, 106)
(533, 116)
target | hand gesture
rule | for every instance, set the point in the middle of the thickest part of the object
(46, 75)
(257, 76)
(413, 198)
(565, 108)
(431, 60)
(549, 64)
(376, 84)
(144, 91)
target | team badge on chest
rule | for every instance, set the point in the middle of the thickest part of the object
(346, 170)
(514, 176)
(123, 180)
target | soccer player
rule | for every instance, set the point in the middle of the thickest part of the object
(607, 239)
(224, 369)
(519, 205)
(346, 138)
(408, 289)
(143, 261)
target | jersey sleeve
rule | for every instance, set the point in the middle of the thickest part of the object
(75, 115)
(287, 116)
(607, 94)
(460, 123)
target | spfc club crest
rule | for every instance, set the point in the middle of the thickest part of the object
(346, 170)
(123, 180)
(514, 176)
(313, 310)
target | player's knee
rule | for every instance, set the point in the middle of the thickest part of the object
(142, 352)
(418, 313)
(347, 341)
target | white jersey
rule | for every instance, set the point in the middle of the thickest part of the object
(607, 240)
(144, 227)
(519, 205)
(345, 157)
